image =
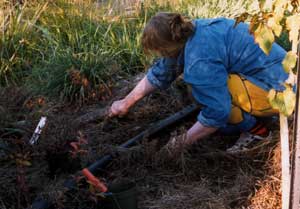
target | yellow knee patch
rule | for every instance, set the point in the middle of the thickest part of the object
(236, 115)
(238, 91)
(249, 97)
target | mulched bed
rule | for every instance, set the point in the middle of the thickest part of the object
(203, 177)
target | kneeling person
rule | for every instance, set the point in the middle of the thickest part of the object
(229, 74)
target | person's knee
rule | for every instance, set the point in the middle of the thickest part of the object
(248, 121)
(236, 115)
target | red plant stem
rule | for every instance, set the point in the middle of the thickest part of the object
(23, 189)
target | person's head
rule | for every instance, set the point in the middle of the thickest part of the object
(166, 34)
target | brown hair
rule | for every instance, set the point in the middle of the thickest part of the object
(165, 31)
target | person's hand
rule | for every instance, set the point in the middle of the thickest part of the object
(119, 108)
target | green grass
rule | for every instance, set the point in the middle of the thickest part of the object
(66, 37)
(100, 51)
(18, 44)
(71, 49)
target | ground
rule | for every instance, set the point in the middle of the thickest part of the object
(205, 176)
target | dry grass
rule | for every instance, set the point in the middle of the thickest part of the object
(205, 177)
(268, 194)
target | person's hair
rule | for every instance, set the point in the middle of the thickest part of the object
(165, 31)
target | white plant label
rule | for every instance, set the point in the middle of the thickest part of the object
(38, 131)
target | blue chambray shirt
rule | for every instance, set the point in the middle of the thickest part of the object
(216, 49)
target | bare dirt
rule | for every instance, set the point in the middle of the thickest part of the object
(205, 176)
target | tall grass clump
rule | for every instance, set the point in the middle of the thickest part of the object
(18, 42)
(68, 48)
(85, 52)
(75, 49)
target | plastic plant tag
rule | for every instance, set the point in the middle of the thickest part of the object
(38, 131)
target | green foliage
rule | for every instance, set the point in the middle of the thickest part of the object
(18, 44)
(72, 48)
(66, 36)
(270, 19)
(100, 51)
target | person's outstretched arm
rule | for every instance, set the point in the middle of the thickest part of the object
(142, 89)
(160, 76)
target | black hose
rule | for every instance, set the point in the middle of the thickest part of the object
(70, 184)
(102, 162)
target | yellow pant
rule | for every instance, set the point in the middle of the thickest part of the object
(247, 97)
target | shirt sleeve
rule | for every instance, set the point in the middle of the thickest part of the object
(163, 72)
(216, 103)
(209, 87)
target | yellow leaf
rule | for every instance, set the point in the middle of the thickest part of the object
(264, 36)
(279, 7)
(289, 98)
(261, 3)
(274, 23)
(283, 101)
(277, 17)
(268, 5)
(277, 101)
(293, 25)
(272, 94)
(23, 162)
(289, 61)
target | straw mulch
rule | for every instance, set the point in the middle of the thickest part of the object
(204, 177)
(268, 192)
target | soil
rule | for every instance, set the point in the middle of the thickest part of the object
(204, 176)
